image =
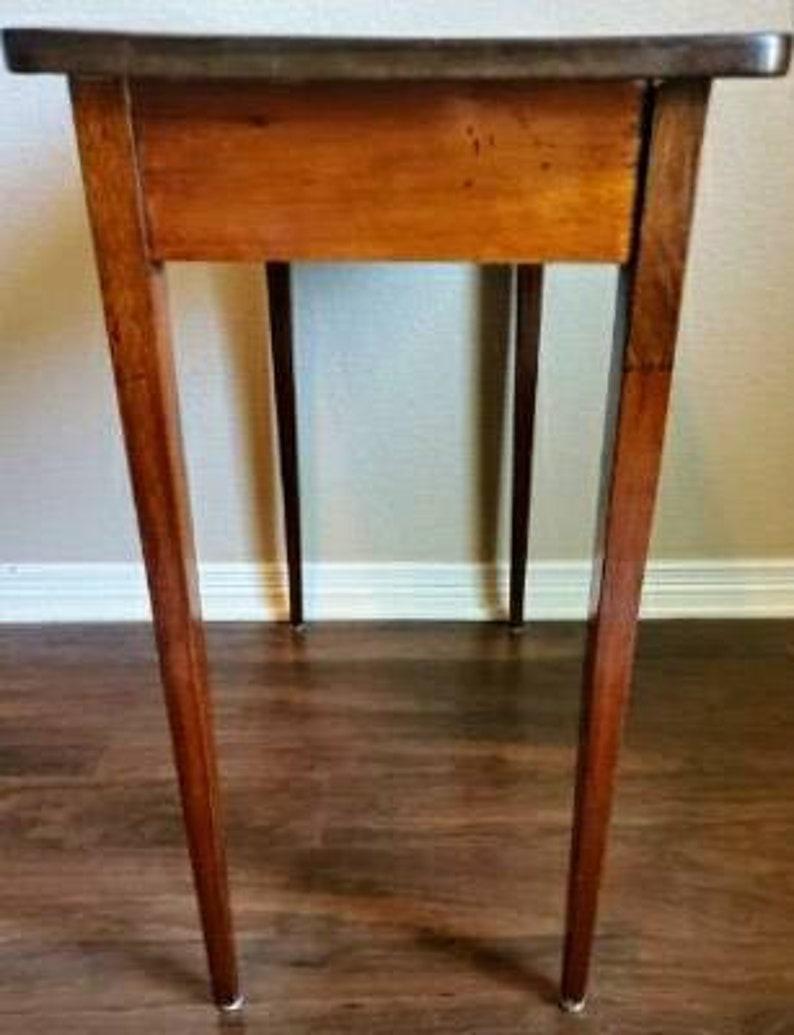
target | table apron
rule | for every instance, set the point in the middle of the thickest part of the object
(477, 171)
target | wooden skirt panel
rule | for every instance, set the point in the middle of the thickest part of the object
(490, 172)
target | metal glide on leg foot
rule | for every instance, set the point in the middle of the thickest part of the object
(573, 1005)
(232, 1007)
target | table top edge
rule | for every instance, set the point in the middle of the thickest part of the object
(291, 58)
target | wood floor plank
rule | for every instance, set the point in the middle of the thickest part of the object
(398, 801)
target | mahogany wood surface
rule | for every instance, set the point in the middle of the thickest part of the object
(301, 58)
(502, 172)
(529, 308)
(279, 294)
(135, 312)
(646, 327)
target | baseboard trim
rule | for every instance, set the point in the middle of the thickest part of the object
(462, 592)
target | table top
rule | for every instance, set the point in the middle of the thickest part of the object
(291, 59)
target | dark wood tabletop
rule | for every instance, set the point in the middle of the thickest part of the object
(290, 59)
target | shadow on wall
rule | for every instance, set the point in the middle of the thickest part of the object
(241, 294)
(45, 295)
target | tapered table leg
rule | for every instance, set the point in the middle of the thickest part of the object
(280, 308)
(648, 310)
(529, 303)
(135, 311)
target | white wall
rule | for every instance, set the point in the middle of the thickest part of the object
(400, 376)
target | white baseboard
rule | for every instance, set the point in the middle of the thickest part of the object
(253, 592)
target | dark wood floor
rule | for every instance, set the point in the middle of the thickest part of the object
(398, 803)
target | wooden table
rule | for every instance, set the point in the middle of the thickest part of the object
(509, 151)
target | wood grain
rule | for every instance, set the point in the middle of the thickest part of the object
(481, 171)
(398, 806)
(646, 326)
(658, 275)
(135, 312)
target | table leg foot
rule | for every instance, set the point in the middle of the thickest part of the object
(572, 1005)
(233, 1006)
